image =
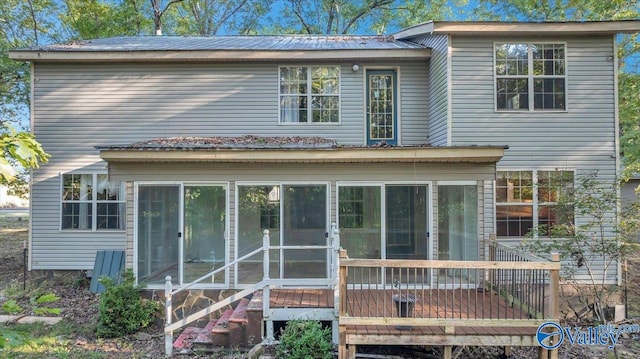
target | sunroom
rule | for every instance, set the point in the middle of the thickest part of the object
(195, 207)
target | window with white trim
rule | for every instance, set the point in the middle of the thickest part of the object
(309, 94)
(529, 199)
(530, 76)
(91, 202)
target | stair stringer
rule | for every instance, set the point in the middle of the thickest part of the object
(170, 328)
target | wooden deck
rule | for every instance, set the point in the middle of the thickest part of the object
(435, 303)
(429, 304)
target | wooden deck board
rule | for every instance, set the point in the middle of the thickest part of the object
(433, 303)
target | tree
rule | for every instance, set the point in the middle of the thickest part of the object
(19, 150)
(630, 119)
(159, 11)
(208, 17)
(22, 23)
(330, 16)
(593, 244)
(91, 19)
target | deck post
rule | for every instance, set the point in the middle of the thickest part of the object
(335, 269)
(168, 334)
(266, 294)
(447, 352)
(343, 351)
(554, 297)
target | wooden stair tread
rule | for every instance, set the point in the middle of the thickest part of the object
(204, 336)
(186, 338)
(240, 313)
(221, 326)
(255, 305)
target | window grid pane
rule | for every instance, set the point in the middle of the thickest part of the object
(309, 94)
(78, 202)
(514, 74)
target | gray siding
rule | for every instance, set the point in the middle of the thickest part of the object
(438, 98)
(80, 106)
(414, 105)
(582, 138)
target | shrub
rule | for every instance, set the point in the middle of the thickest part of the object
(305, 339)
(122, 310)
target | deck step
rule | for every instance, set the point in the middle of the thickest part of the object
(253, 329)
(218, 335)
(186, 338)
(237, 325)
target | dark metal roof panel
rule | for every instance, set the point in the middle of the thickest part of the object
(213, 43)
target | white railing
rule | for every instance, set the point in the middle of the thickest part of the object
(264, 285)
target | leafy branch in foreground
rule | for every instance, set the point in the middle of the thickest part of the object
(592, 237)
(19, 149)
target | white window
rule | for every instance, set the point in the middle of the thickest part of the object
(528, 199)
(90, 202)
(310, 94)
(530, 76)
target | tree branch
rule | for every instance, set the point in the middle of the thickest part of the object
(364, 11)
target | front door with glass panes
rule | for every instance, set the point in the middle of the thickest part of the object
(381, 107)
(181, 231)
(296, 216)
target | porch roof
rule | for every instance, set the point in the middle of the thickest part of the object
(255, 149)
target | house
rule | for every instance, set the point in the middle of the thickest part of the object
(420, 145)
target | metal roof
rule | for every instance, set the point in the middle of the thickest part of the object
(215, 43)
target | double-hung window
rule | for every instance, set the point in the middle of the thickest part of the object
(528, 200)
(309, 94)
(91, 202)
(530, 76)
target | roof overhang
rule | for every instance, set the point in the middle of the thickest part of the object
(471, 154)
(219, 55)
(479, 28)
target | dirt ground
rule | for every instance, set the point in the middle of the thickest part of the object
(79, 308)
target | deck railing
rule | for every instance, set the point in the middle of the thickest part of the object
(448, 293)
(265, 285)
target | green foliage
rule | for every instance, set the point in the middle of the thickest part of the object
(9, 339)
(208, 17)
(96, 19)
(11, 307)
(40, 303)
(122, 310)
(331, 16)
(630, 119)
(21, 148)
(592, 244)
(305, 339)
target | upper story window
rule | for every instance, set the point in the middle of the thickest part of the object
(527, 200)
(530, 76)
(310, 94)
(90, 202)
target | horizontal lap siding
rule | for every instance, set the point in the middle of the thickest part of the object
(405, 172)
(414, 105)
(80, 106)
(438, 88)
(580, 139)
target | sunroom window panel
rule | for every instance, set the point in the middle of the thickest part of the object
(258, 209)
(360, 218)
